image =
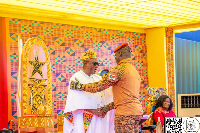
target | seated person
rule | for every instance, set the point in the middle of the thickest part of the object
(163, 109)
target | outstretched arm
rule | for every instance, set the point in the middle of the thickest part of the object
(107, 80)
(103, 84)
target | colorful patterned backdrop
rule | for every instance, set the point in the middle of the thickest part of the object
(66, 43)
(170, 64)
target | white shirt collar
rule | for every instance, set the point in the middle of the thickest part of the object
(86, 74)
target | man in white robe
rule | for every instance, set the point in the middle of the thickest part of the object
(78, 101)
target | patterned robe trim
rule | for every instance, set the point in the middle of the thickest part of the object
(87, 117)
(69, 117)
(108, 80)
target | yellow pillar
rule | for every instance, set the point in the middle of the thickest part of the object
(156, 51)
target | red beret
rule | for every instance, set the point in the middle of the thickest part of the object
(121, 46)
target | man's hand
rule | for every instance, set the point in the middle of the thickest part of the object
(75, 85)
(98, 112)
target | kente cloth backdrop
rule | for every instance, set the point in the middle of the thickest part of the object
(65, 44)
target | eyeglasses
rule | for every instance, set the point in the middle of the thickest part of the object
(95, 63)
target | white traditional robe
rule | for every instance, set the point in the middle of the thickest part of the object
(77, 101)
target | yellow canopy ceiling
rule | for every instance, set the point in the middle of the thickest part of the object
(126, 13)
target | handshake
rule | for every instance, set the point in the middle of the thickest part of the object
(100, 112)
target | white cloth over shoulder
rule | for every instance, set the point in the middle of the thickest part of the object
(77, 101)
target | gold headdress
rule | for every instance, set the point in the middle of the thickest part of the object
(90, 54)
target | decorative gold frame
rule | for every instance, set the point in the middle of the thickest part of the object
(24, 58)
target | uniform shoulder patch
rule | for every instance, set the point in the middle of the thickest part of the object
(111, 76)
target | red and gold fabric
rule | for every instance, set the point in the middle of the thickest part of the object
(87, 117)
(69, 117)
